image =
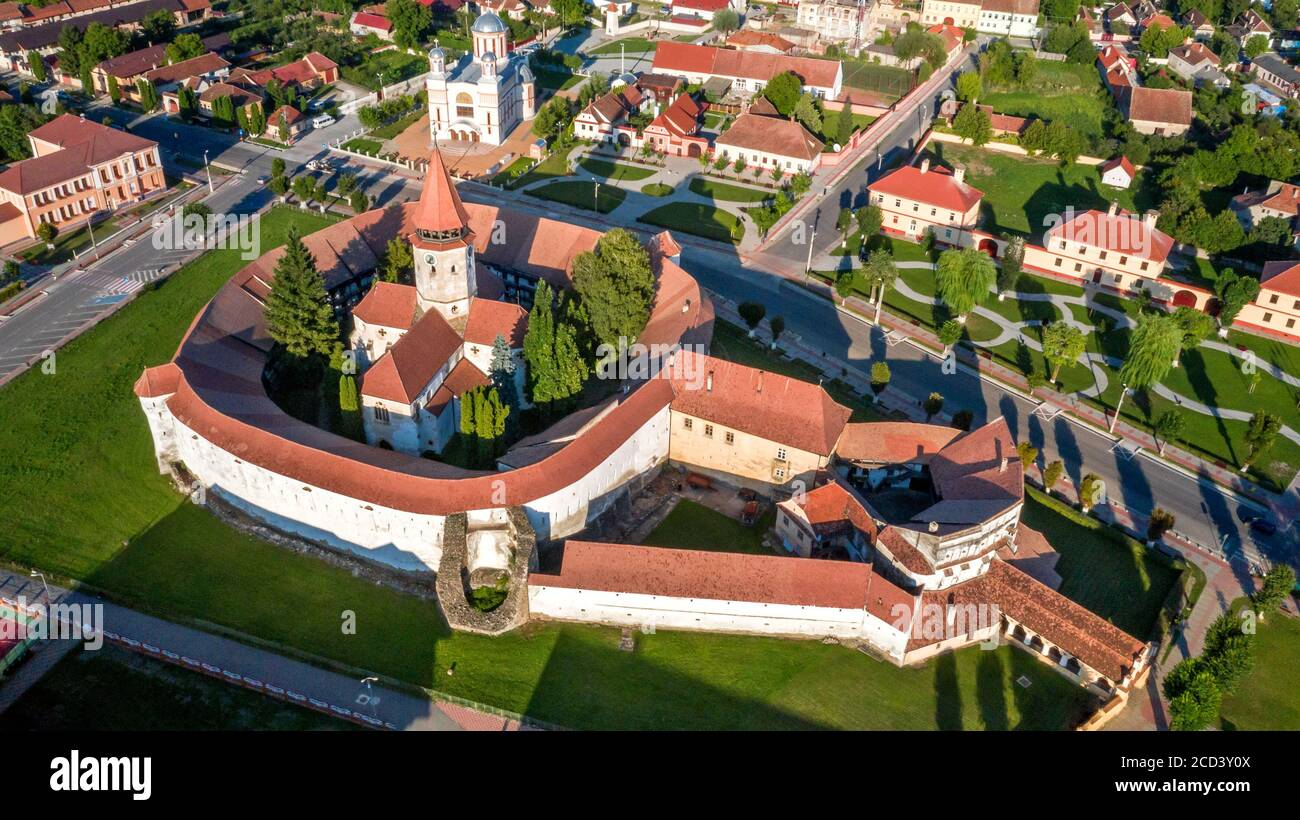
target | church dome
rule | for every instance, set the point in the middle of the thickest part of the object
(437, 54)
(488, 23)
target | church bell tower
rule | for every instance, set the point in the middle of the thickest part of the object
(442, 245)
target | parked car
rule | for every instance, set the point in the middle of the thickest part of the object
(1263, 526)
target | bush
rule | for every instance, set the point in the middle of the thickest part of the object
(11, 290)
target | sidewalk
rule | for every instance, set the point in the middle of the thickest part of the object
(378, 705)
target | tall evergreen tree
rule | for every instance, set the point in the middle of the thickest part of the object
(539, 347)
(484, 427)
(298, 312)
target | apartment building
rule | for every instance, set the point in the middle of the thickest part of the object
(919, 199)
(1113, 248)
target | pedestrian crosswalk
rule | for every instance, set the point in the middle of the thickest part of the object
(122, 284)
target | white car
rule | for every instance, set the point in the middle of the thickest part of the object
(323, 121)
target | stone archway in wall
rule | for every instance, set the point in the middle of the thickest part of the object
(1054, 655)
(988, 246)
(1184, 298)
(1213, 306)
(693, 149)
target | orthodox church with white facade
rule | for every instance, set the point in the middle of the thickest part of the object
(485, 94)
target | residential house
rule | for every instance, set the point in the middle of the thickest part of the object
(1198, 65)
(1276, 73)
(1118, 68)
(1202, 28)
(916, 200)
(44, 39)
(285, 125)
(760, 41)
(770, 142)
(704, 9)
(1165, 112)
(130, 67)
(77, 169)
(599, 121)
(676, 130)
(1279, 199)
(1009, 18)
(1118, 173)
(1277, 307)
(364, 23)
(306, 74)
(747, 70)
(1249, 25)
(1120, 18)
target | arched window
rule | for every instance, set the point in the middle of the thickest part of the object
(464, 105)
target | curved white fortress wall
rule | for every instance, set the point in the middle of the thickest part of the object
(409, 541)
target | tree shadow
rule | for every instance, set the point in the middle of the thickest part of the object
(947, 693)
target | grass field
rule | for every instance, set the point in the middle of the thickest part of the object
(701, 220)
(555, 165)
(728, 193)
(1110, 574)
(1068, 92)
(553, 79)
(890, 81)
(657, 189)
(693, 526)
(1267, 698)
(615, 171)
(364, 146)
(1020, 193)
(397, 126)
(628, 45)
(136, 693)
(67, 244)
(581, 194)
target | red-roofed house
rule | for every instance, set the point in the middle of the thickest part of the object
(365, 22)
(1113, 248)
(285, 124)
(676, 131)
(1277, 307)
(920, 199)
(770, 142)
(1165, 112)
(1118, 173)
(704, 9)
(601, 119)
(822, 522)
(760, 41)
(1280, 200)
(77, 169)
(748, 71)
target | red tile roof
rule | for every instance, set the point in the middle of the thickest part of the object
(935, 186)
(768, 405)
(194, 67)
(85, 144)
(714, 576)
(440, 208)
(1172, 106)
(786, 138)
(1281, 276)
(1194, 54)
(701, 5)
(750, 37)
(1059, 620)
(401, 374)
(832, 507)
(489, 318)
(681, 118)
(1121, 232)
(893, 442)
(1278, 196)
(375, 21)
(388, 305)
(687, 58)
(981, 465)
(1119, 162)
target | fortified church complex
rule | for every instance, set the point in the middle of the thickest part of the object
(951, 566)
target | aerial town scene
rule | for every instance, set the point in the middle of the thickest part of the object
(542, 365)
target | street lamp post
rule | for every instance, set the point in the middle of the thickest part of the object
(38, 574)
(207, 168)
(812, 240)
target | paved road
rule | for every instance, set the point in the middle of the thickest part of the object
(76, 298)
(395, 708)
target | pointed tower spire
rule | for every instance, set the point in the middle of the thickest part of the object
(440, 218)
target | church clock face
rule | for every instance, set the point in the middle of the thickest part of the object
(429, 259)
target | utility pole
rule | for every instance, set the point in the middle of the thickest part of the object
(208, 168)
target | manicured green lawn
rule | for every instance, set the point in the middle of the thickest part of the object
(1267, 698)
(693, 526)
(628, 45)
(581, 194)
(115, 690)
(507, 175)
(701, 220)
(555, 165)
(66, 244)
(551, 79)
(728, 193)
(657, 189)
(1110, 574)
(1021, 193)
(615, 171)
(1065, 91)
(364, 146)
(397, 126)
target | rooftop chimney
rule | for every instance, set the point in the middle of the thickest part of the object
(934, 526)
(760, 381)
(1113, 209)
(925, 165)
(958, 175)
(1002, 465)
(1149, 219)
(708, 382)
